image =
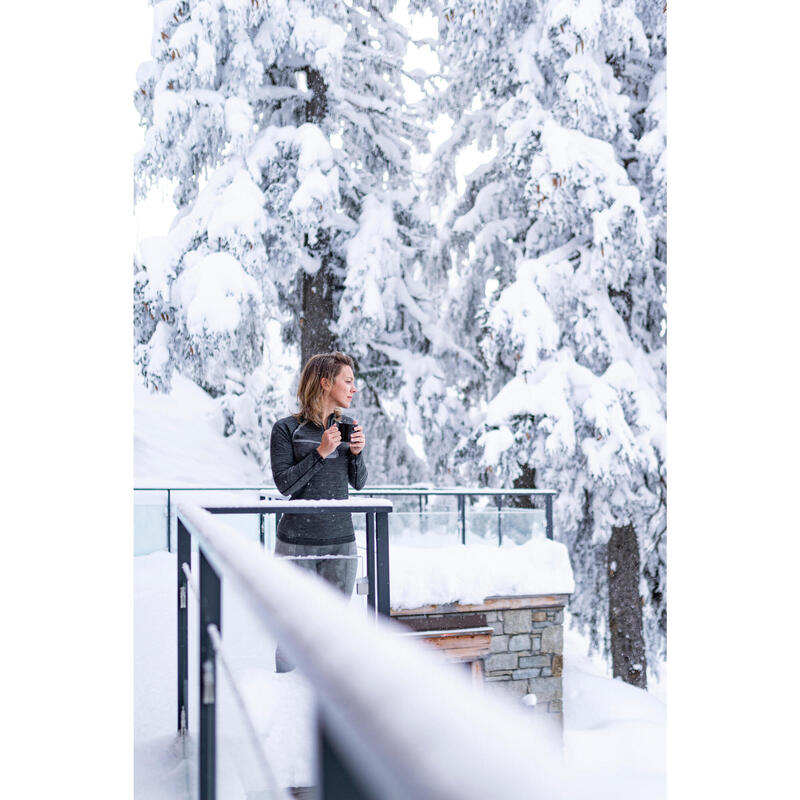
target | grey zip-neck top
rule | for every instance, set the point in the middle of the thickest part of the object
(300, 472)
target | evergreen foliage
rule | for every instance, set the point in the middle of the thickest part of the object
(522, 339)
(284, 129)
(557, 251)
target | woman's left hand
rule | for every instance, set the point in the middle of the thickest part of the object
(357, 440)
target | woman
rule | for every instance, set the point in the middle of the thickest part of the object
(310, 462)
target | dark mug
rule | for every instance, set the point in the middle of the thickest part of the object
(346, 429)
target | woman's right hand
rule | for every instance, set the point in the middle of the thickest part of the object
(331, 439)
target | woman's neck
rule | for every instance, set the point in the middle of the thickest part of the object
(327, 410)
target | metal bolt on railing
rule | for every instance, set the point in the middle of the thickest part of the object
(208, 682)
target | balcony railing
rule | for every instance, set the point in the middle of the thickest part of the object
(393, 722)
(478, 514)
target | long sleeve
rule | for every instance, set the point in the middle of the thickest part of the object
(288, 476)
(356, 470)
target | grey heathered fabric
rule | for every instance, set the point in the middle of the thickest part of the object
(341, 572)
(300, 472)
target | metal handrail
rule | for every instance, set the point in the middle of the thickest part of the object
(377, 533)
(394, 721)
(410, 489)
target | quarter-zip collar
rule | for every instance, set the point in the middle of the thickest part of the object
(329, 421)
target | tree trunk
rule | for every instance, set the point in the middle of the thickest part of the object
(525, 480)
(625, 607)
(317, 106)
(315, 333)
(318, 289)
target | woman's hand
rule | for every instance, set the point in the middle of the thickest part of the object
(331, 439)
(357, 440)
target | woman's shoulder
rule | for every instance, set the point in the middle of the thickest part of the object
(289, 422)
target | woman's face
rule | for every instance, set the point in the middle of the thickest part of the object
(342, 389)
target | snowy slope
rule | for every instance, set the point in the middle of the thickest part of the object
(178, 441)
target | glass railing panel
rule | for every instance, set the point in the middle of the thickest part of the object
(524, 524)
(150, 516)
(426, 529)
(279, 748)
(442, 527)
(149, 522)
(425, 522)
(509, 525)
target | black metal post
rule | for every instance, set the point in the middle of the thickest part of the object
(184, 557)
(334, 778)
(210, 614)
(261, 529)
(499, 520)
(371, 559)
(169, 522)
(382, 559)
(548, 511)
(462, 518)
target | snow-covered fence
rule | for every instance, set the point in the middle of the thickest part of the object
(394, 721)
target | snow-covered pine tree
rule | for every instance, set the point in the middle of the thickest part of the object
(557, 246)
(307, 214)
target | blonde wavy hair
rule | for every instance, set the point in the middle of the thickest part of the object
(310, 391)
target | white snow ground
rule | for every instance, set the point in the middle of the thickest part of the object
(612, 730)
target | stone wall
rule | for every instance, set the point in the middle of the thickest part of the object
(527, 643)
(527, 654)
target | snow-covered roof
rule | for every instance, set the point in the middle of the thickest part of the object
(468, 575)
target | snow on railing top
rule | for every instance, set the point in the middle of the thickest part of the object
(306, 505)
(367, 490)
(452, 490)
(413, 725)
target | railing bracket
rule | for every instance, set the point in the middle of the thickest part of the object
(208, 683)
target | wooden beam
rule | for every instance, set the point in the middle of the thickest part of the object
(456, 645)
(441, 621)
(442, 633)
